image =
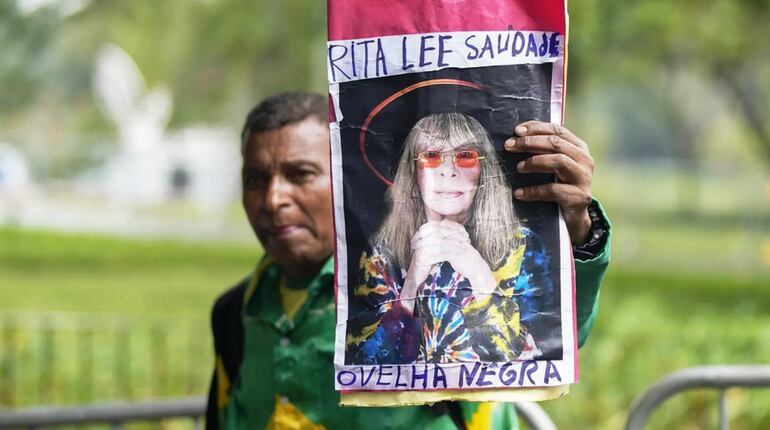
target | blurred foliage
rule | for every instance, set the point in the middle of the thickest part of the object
(23, 58)
(653, 45)
(219, 56)
(651, 324)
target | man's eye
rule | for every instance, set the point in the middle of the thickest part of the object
(300, 175)
(252, 180)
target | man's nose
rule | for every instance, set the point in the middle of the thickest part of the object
(277, 194)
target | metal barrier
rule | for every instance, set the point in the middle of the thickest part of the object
(115, 414)
(106, 355)
(715, 377)
(535, 417)
(193, 408)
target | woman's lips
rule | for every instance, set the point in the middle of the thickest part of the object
(449, 194)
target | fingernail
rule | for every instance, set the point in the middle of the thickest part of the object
(510, 143)
(520, 130)
(518, 194)
(520, 166)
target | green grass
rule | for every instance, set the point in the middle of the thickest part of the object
(672, 299)
(88, 273)
(651, 324)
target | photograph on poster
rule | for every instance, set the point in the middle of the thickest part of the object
(443, 264)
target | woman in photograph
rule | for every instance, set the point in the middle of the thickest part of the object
(447, 268)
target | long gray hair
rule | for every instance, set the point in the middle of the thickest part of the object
(492, 225)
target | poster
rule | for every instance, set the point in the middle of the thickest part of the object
(445, 283)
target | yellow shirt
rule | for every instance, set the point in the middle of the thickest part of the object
(293, 294)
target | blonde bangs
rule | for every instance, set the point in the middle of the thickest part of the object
(452, 131)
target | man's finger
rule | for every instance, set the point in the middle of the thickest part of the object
(566, 169)
(545, 144)
(531, 128)
(566, 195)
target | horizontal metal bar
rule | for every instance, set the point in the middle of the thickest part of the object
(718, 377)
(190, 407)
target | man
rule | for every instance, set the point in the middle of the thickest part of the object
(274, 331)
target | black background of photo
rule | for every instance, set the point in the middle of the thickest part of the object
(510, 95)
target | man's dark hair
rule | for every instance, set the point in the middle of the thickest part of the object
(282, 109)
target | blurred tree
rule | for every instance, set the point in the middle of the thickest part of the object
(655, 42)
(217, 56)
(25, 41)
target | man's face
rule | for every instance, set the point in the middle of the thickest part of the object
(287, 194)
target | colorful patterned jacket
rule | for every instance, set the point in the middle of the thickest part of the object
(451, 323)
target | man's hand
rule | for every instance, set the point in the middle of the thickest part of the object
(556, 150)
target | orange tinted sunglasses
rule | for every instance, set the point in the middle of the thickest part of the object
(433, 159)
